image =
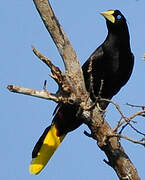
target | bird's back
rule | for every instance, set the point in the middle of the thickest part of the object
(112, 63)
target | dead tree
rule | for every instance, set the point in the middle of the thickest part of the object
(72, 91)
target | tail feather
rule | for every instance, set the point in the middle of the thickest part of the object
(44, 149)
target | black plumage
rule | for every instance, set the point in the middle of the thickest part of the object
(112, 62)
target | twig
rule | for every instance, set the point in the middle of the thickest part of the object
(139, 106)
(139, 113)
(125, 119)
(123, 127)
(127, 138)
(44, 86)
(91, 86)
(135, 129)
(121, 113)
(107, 162)
(88, 134)
(98, 98)
(116, 105)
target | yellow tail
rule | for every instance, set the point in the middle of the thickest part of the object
(46, 146)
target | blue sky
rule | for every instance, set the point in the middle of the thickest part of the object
(23, 118)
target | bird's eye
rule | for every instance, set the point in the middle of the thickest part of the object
(119, 17)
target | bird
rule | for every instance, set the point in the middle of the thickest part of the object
(111, 63)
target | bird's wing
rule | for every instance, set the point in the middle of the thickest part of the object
(96, 59)
(96, 55)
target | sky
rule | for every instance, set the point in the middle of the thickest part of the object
(23, 118)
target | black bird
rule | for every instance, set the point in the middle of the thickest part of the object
(112, 63)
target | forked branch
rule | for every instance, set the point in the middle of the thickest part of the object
(71, 62)
(72, 86)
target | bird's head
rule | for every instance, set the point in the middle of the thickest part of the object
(115, 20)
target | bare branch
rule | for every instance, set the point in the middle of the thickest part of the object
(138, 106)
(121, 113)
(72, 65)
(56, 72)
(130, 118)
(128, 138)
(40, 94)
(73, 82)
(117, 158)
(126, 119)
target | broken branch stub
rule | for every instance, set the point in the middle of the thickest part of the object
(32, 92)
(65, 83)
(56, 72)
